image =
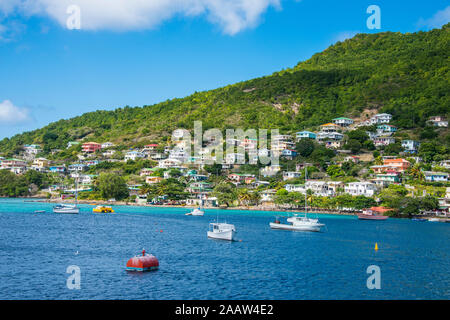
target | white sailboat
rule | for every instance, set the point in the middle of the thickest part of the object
(299, 222)
(69, 208)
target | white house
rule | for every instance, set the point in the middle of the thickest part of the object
(305, 135)
(410, 145)
(291, 175)
(381, 118)
(367, 189)
(271, 170)
(295, 188)
(107, 145)
(169, 163)
(435, 176)
(383, 141)
(343, 122)
(134, 155)
(438, 121)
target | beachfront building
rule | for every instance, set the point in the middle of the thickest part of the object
(91, 147)
(381, 118)
(305, 135)
(324, 188)
(365, 188)
(287, 175)
(295, 188)
(267, 196)
(438, 121)
(410, 146)
(436, 176)
(343, 122)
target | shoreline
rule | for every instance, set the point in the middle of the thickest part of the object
(238, 208)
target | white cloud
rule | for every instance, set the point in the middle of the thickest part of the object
(10, 114)
(438, 20)
(232, 16)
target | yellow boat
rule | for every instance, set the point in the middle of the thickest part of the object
(103, 209)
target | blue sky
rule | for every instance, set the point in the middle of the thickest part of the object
(127, 53)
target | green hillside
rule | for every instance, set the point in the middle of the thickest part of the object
(406, 75)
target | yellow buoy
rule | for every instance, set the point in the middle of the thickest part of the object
(376, 246)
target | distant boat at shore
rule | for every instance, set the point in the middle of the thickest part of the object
(373, 214)
(69, 208)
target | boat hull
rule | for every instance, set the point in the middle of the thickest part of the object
(223, 235)
(371, 217)
(310, 228)
(67, 211)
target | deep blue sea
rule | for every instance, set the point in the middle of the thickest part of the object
(36, 249)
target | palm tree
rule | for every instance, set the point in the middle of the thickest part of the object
(244, 196)
(378, 161)
(416, 173)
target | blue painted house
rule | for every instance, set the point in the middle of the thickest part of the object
(305, 135)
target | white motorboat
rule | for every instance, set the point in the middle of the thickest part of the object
(196, 212)
(297, 222)
(222, 231)
(434, 220)
(69, 208)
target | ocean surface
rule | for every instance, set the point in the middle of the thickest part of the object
(37, 248)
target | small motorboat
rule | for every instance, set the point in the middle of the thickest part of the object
(222, 231)
(434, 220)
(39, 211)
(102, 209)
(196, 212)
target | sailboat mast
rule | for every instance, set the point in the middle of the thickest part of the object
(306, 193)
(76, 190)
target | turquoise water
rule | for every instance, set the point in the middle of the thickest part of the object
(36, 249)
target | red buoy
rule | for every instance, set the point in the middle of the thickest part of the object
(145, 262)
